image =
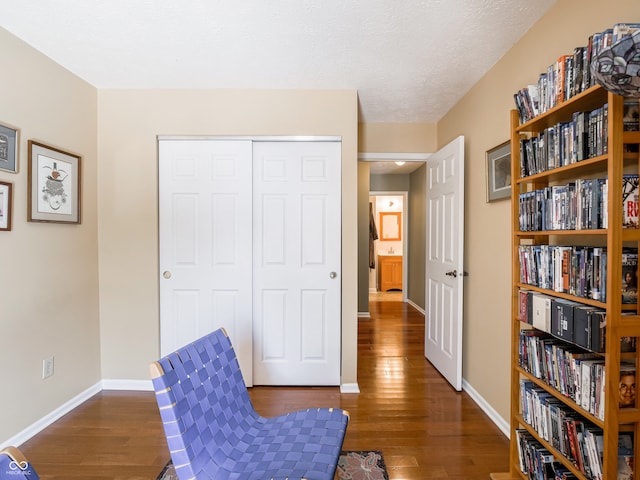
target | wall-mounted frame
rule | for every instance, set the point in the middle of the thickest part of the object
(53, 185)
(5, 206)
(8, 149)
(390, 226)
(499, 172)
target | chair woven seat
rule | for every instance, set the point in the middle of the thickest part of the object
(213, 431)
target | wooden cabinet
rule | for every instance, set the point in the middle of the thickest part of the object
(389, 272)
(609, 420)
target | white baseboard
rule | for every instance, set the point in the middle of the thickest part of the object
(420, 309)
(44, 422)
(500, 422)
(146, 385)
(364, 314)
(349, 388)
(47, 420)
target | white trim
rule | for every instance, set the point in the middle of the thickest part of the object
(120, 384)
(256, 138)
(420, 309)
(147, 385)
(44, 422)
(405, 157)
(500, 422)
(349, 388)
(364, 315)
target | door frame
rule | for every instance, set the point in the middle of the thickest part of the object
(405, 232)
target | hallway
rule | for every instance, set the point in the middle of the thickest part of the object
(424, 428)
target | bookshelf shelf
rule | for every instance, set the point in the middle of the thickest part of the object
(622, 323)
(558, 455)
(566, 296)
(585, 167)
(567, 401)
(572, 233)
(588, 100)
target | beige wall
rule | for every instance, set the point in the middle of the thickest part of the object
(49, 283)
(482, 116)
(417, 237)
(384, 138)
(129, 122)
(397, 137)
(48, 272)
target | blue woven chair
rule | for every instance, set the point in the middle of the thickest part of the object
(213, 431)
(14, 465)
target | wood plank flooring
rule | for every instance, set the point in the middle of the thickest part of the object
(424, 428)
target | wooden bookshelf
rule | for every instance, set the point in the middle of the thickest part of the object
(611, 165)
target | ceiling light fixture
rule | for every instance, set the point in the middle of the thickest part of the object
(399, 163)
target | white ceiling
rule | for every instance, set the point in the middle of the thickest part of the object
(410, 60)
(391, 168)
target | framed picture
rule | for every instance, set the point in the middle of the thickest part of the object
(53, 185)
(5, 206)
(8, 149)
(499, 172)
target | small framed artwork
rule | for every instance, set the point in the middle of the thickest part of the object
(8, 149)
(53, 185)
(5, 206)
(499, 172)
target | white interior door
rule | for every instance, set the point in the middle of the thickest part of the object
(205, 196)
(445, 261)
(296, 275)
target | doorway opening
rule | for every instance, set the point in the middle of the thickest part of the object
(388, 262)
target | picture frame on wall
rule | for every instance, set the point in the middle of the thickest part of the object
(8, 149)
(53, 185)
(499, 172)
(5, 206)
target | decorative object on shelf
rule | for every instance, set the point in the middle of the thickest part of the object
(53, 185)
(8, 149)
(5, 206)
(617, 68)
(499, 172)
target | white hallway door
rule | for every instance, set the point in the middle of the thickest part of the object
(297, 235)
(266, 239)
(445, 261)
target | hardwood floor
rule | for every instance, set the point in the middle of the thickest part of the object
(424, 428)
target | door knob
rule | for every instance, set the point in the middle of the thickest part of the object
(333, 275)
(166, 274)
(452, 273)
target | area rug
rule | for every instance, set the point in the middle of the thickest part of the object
(360, 465)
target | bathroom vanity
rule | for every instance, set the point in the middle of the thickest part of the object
(389, 272)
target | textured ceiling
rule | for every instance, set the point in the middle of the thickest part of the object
(410, 61)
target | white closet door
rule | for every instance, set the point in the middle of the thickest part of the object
(296, 274)
(205, 193)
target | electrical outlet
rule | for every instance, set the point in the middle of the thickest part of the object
(47, 367)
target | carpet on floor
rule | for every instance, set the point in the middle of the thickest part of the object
(352, 465)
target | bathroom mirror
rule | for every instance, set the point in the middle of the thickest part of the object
(390, 223)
